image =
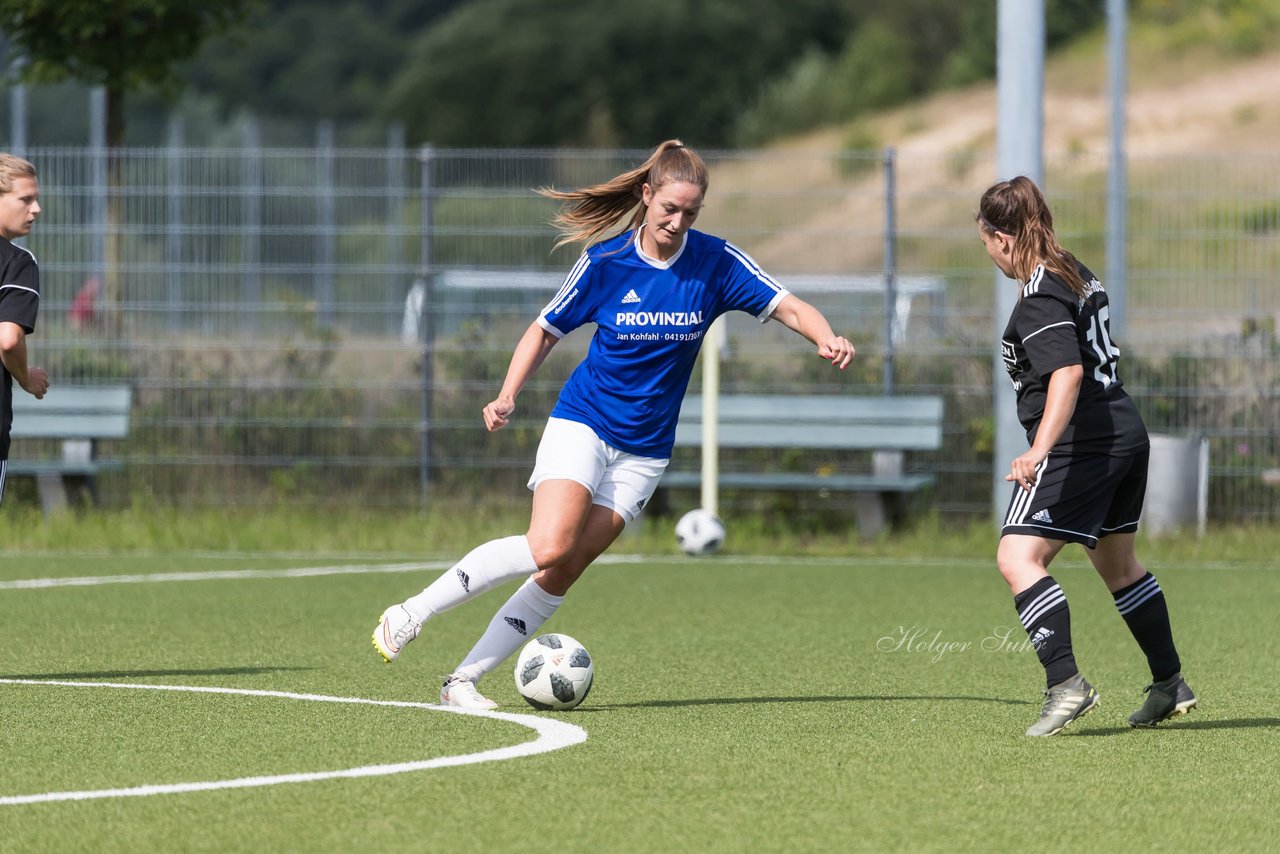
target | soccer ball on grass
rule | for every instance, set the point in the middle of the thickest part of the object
(554, 672)
(699, 532)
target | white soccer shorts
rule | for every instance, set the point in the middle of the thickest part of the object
(623, 482)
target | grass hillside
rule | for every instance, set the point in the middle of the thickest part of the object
(1183, 101)
(1198, 100)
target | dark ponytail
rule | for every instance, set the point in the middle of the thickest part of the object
(1017, 208)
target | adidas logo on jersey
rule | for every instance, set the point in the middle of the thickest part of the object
(631, 297)
(1042, 516)
(516, 624)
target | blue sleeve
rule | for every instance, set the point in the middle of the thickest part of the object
(746, 287)
(571, 307)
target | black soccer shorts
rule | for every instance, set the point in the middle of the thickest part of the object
(1081, 497)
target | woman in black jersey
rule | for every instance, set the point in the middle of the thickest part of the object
(1085, 475)
(19, 293)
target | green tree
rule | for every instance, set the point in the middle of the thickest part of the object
(120, 45)
(303, 60)
(600, 72)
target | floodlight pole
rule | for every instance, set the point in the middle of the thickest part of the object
(1019, 151)
(1117, 172)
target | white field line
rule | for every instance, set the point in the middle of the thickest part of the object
(247, 574)
(693, 564)
(438, 565)
(552, 735)
(220, 575)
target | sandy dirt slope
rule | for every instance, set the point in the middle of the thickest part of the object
(1223, 109)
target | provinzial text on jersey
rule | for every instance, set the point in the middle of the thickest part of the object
(659, 318)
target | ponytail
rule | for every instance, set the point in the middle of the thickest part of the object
(591, 211)
(1018, 208)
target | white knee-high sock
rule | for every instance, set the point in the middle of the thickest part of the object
(483, 567)
(515, 623)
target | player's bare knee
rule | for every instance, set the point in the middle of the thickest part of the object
(1008, 563)
(558, 579)
(548, 554)
(1010, 572)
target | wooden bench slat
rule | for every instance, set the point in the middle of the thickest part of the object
(36, 467)
(813, 409)
(817, 421)
(70, 426)
(800, 481)
(903, 437)
(77, 399)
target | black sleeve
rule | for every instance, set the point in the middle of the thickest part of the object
(20, 292)
(1047, 327)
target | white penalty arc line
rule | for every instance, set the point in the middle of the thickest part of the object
(245, 574)
(218, 575)
(552, 735)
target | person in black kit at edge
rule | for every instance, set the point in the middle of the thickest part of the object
(1084, 477)
(19, 293)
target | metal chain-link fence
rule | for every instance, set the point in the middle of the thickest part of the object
(271, 309)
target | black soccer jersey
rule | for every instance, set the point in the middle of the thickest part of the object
(19, 301)
(1052, 328)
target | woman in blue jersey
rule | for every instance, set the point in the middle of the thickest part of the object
(652, 292)
(1085, 475)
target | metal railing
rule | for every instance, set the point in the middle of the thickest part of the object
(262, 303)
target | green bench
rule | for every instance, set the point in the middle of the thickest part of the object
(886, 426)
(77, 417)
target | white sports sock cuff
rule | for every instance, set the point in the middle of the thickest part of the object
(538, 600)
(484, 567)
(496, 562)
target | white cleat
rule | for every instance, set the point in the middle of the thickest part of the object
(460, 692)
(396, 628)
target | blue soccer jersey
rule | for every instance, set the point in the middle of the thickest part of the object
(651, 317)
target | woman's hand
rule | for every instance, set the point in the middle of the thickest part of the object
(836, 350)
(497, 413)
(1022, 470)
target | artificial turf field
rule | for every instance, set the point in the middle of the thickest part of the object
(740, 704)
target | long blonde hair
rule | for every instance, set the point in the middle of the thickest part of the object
(1017, 208)
(13, 167)
(593, 210)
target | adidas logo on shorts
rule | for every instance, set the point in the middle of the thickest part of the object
(1042, 516)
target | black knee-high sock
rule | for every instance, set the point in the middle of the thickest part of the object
(1144, 610)
(1043, 610)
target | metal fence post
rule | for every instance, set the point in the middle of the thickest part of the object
(251, 230)
(327, 253)
(397, 191)
(18, 110)
(890, 269)
(427, 157)
(173, 221)
(98, 190)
